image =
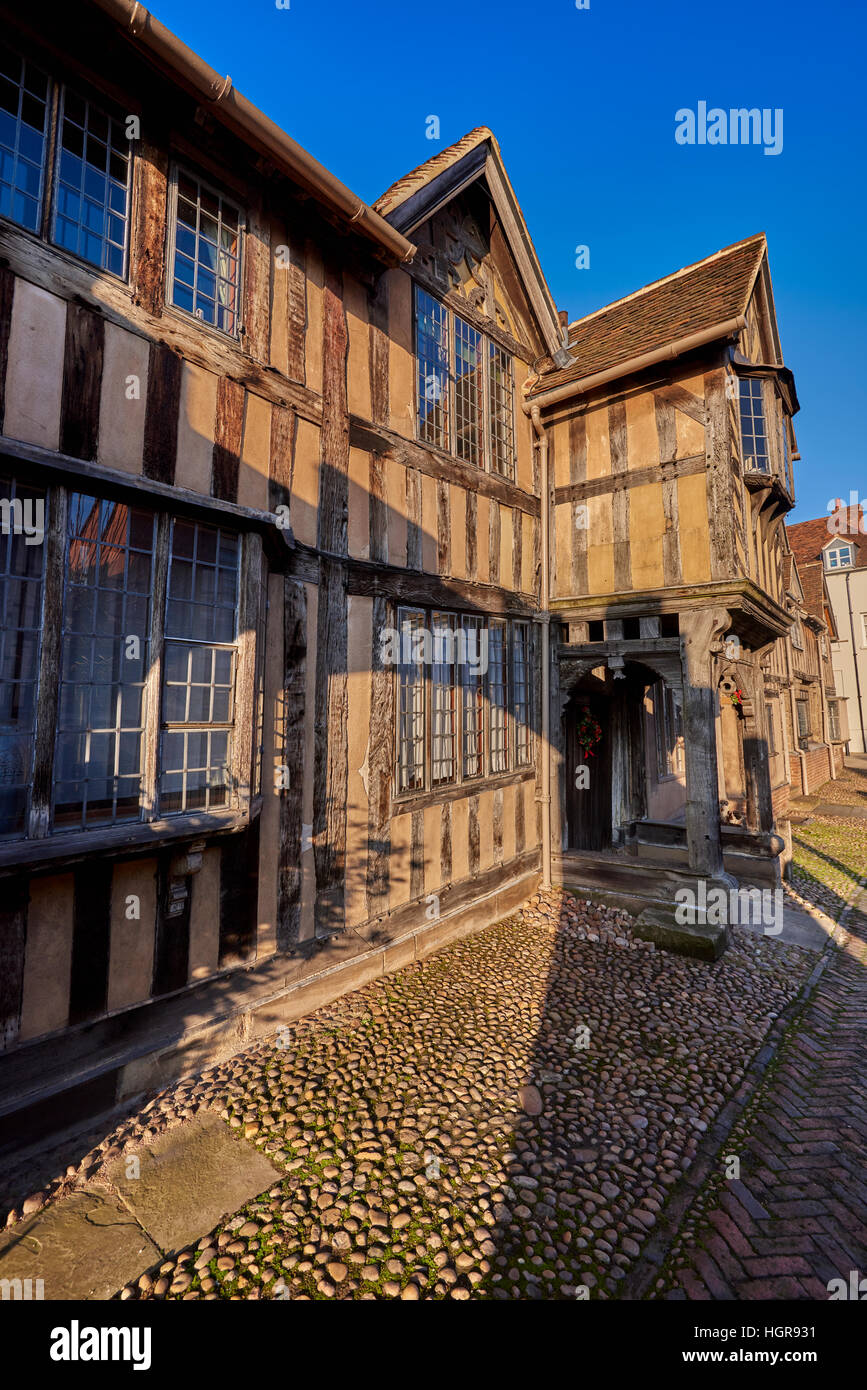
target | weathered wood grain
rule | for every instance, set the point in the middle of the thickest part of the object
(82, 381)
(162, 407)
(228, 434)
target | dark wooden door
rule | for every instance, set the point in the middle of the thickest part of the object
(588, 809)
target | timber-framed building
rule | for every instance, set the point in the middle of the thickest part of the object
(322, 528)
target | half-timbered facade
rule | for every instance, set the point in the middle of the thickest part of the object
(324, 545)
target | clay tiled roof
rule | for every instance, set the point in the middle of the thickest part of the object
(692, 299)
(808, 539)
(425, 173)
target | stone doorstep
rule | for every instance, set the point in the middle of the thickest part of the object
(89, 1245)
(699, 940)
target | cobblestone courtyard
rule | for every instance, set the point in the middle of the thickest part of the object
(510, 1118)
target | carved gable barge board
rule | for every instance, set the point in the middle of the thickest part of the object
(13, 932)
(294, 715)
(619, 468)
(330, 776)
(82, 381)
(438, 465)
(7, 291)
(401, 586)
(65, 277)
(380, 764)
(161, 414)
(599, 487)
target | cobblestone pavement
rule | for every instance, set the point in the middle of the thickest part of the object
(797, 1216)
(505, 1119)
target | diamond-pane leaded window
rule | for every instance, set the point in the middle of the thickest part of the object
(206, 255)
(91, 216)
(23, 123)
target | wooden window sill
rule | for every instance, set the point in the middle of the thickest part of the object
(71, 846)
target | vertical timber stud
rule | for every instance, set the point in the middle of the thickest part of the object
(82, 381)
(699, 629)
(380, 764)
(666, 432)
(162, 409)
(578, 474)
(719, 477)
(228, 433)
(331, 771)
(49, 667)
(7, 291)
(246, 690)
(13, 933)
(620, 501)
(282, 456)
(150, 203)
(294, 698)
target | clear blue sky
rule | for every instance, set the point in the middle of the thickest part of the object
(582, 103)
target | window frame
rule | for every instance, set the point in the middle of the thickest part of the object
(461, 685)
(833, 561)
(487, 346)
(178, 167)
(40, 837)
(59, 86)
(802, 704)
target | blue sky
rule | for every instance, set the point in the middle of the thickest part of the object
(583, 104)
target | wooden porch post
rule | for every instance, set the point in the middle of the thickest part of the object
(699, 630)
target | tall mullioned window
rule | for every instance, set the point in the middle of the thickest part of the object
(22, 563)
(754, 433)
(205, 254)
(465, 388)
(24, 106)
(88, 188)
(463, 698)
(121, 655)
(91, 214)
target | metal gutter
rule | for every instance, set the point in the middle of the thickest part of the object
(246, 120)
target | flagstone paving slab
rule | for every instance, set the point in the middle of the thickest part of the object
(191, 1177)
(84, 1247)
